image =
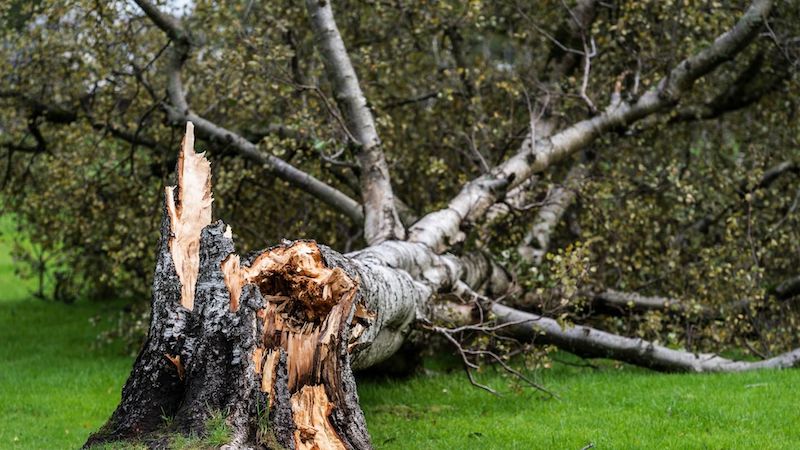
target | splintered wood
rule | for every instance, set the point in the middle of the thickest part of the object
(307, 306)
(176, 361)
(267, 369)
(297, 268)
(275, 360)
(189, 213)
(311, 409)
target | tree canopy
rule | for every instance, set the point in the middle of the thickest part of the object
(695, 205)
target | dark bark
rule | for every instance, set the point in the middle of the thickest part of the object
(788, 289)
(219, 352)
(216, 338)
(265, 343)
(154, 387)
(272, 353)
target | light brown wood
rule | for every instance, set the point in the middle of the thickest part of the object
(189, 213)
(305, 306)
(268, 375)
(233, 279)
(258, 359)
(318, 287)
(176, 361)
(311, 408)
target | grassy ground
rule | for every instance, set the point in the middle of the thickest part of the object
(610, 408)
(56, 386)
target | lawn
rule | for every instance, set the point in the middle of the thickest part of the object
(57, 385)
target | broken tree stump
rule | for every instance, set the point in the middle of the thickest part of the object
(266, 340)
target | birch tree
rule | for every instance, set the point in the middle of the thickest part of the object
(272, 338)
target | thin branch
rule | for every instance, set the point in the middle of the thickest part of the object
(179, 113)
(617, 301)
(549, 36)
(770, 176)
(409, 101)
(789, 212)
(302, 180)
(587, 68)
(536, 242)
(469, 365)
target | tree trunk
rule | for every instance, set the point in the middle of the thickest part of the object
(267, 344)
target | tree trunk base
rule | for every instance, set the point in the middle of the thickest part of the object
(267, 345)
(264, 342)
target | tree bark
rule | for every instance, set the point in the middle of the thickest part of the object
(268, 340)
(381, 219)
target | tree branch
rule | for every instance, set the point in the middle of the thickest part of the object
(593, 343)
(440, 229)
(742, 92)
(51, 112)
(788, 288)
(564, 63)
(166, 22)
(382, 221)
(618, 301)
(537, 240)
(179, 113)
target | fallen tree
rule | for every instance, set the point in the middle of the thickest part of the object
(271, 339)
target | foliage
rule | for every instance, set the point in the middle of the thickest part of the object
(453, 86)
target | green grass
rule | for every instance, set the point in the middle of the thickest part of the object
(56, 386)
(610, 408)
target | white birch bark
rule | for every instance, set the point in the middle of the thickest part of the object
(382, 221)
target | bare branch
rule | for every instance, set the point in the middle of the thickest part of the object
(587, 68)
(382, 221)
(63, 115)
(166, 22)
(302, 180)
(593, 343)
(180, 113)
(441, 229)
(611, 299)
(742, 92)
(788, 288)
(773, 173)
(537, 240)
(465, 353)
